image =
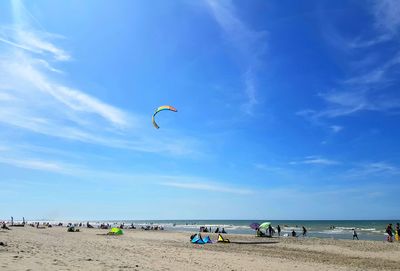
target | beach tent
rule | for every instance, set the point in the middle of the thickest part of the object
(115, 231)
(197, 239)
(222, 239)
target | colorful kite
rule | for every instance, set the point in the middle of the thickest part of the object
(161, 108)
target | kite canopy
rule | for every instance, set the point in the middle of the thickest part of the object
(265, 225)
(197, 239)
(116, 231)
(161, 108)
(222, 239)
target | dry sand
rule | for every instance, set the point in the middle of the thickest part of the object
(56, 249)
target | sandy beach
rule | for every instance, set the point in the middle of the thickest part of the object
(56, 249)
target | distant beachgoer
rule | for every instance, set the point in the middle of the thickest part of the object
(223, 230)
(304, 231)
(217, 230)
(355, 234)
(389, 231)
(270, 231)
(398, 230)
(71, 229)
(210, 230)
(279, 230)
(294, 233)
(4, 226)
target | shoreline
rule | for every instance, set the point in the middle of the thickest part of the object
(329, 229)
(56, 249)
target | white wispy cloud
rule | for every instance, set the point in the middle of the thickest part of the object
(21, 157)
(23, 72)
(251, 93)
(377, 169)
(371, 77)
(386, 24)
(34, 96)
(315, 160)
(212, 187)
(33, 164)
(250, 43)
(336, 128)
(386, 14)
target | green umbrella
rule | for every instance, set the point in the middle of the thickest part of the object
(265, 225)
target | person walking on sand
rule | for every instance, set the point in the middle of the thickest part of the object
(279, 230)
(304, 231)
(397, 235)
(355, 234)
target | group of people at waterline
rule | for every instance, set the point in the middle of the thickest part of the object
(270, 231)
(393, 232)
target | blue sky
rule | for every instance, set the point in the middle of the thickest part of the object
(286, 110)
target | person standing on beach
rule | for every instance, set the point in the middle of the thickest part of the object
(279, 230)
(389, 231)
(355, 234)
(304, 231)
(270, 231)
(397, 231)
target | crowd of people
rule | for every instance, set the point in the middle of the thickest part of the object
(393, 232)
(270, 232)
(209, 229)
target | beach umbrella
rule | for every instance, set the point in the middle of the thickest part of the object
(254, 226)
(265, 225)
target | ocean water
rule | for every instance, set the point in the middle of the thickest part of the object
(334, 229)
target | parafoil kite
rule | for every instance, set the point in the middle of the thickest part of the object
(161, 108)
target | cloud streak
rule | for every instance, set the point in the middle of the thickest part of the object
(20, 158)
(251, 44)
(207, 186)
(315, 160)
(34, 97)
(33, 164)
(370, 82)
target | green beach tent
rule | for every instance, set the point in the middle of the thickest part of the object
(116, 231)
